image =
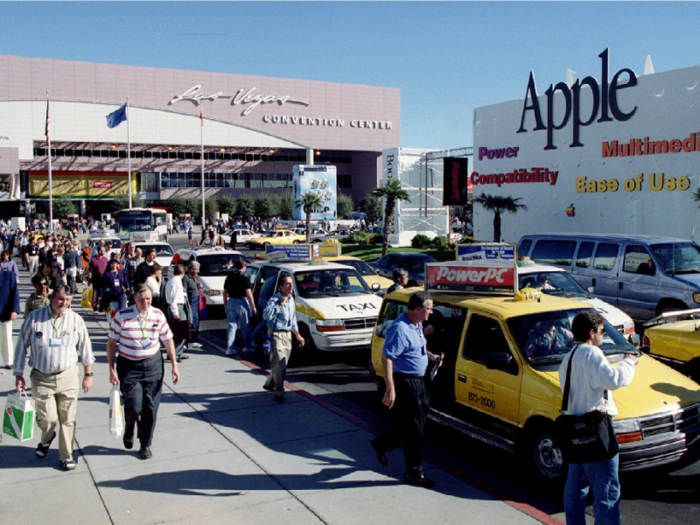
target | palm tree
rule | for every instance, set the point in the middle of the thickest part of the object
(310, 202)
(696, 196)
(392, 191)
(498, 205)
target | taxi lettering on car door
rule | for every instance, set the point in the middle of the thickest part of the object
(488, 375)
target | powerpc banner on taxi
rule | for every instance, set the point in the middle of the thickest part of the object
(484, 277)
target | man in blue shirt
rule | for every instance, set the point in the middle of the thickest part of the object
(281, 317)
(404, 363)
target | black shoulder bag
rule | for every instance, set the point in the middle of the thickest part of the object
(586, 438)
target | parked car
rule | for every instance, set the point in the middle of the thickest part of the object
(643, 275)
(493, 390)
(336, 308)
(674, 337)
(413, 263)
(216, 264)
(275, 237)
(242, 236)
(556, 281)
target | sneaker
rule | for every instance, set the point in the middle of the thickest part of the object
(422, 482)
(231, 353)
(195, 346)
(68, 465)
(42, 450)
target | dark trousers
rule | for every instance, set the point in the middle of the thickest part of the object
(410, 412)
(194, 313)
(141, 383)
(183, 313)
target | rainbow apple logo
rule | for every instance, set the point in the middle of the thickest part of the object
(571, 211)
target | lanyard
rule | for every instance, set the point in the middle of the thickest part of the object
(142, 324)
(56, 331)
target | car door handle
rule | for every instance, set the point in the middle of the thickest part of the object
(462, 378)
(593, 282)
(620, 285)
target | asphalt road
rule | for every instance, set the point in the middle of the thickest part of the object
(652, 498)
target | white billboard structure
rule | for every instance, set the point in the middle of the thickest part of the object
(421, 177)
(321, 180)
(616, 153)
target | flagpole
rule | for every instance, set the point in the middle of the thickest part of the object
(201, 119)
(128, 147)
(48, 142)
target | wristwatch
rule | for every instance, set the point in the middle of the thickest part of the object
(89, 374)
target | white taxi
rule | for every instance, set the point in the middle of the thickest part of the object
(336, 309)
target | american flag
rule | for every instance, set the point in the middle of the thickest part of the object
(48, 119)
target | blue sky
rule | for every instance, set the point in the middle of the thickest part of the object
(446, 57)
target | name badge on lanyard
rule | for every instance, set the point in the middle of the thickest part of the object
(55, 342)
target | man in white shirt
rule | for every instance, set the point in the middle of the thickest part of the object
(591, 377)
(55, 339)
(176, 299)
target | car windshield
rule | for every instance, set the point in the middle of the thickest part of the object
(678, 257)
(330, 283)
(560, 284)
(218, 264)
(416, 263)
(161, 249)
(361, 266)
(545, 338)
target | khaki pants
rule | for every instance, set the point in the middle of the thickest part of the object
(6, 348)
(56, 402)
(279, 357)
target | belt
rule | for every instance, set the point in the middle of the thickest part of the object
(406, 376)
(281, 331)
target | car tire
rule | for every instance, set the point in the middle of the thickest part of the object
(544, 453)
(672, 306)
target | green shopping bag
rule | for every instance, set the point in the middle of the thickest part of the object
(18, 418)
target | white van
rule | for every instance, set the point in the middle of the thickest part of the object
(642, 275)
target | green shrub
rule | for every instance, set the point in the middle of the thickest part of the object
(420, 241)
(440, 243)
(357, 237)
(377, 238)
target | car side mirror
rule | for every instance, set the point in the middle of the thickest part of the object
(634, 340)
(501, 361)
(376, 287)
(590, 289)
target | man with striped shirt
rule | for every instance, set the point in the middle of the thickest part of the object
(56, 338)
(135, 334)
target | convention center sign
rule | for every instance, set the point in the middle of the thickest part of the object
(612, 152)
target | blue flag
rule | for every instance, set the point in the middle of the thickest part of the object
(116, 117)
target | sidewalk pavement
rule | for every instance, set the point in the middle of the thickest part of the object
(225, 452)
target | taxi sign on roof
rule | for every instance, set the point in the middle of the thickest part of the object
(102, 233)
(482, 277)
(300, 252)
(143, 236)
(485, 251)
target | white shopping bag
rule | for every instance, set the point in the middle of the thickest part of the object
(116, 413)
(18, 419)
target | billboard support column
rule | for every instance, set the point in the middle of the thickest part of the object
(309, 156)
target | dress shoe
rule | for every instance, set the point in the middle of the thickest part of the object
(129, 440)
(269, 388)
(422, 481)
(381, 453)
(279, 398)
(42, 450)
(145, 453)
(67, 465)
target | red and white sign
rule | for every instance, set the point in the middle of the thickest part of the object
(102, 184)
(471, 278)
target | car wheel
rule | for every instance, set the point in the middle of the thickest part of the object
(545, 454)
(670, 307)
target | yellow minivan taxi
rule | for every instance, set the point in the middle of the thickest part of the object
(499, 384)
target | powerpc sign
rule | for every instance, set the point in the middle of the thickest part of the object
(487, 278)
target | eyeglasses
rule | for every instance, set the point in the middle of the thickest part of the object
(601, 331)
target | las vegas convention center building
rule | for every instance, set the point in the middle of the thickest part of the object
(254, 130)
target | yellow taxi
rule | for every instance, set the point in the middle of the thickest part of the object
(674, 338)
(366, 271)
(275, 237)
(499, 382)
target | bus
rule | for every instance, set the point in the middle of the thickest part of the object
(138, 220)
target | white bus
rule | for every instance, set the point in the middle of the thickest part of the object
(138, 220)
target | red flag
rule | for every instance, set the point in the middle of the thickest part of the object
(48, 119)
